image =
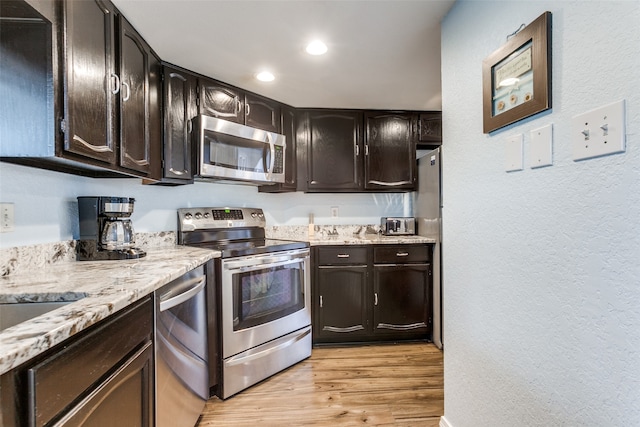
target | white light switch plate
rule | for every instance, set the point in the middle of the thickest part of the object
(513, 159)
(542, 146)
(599, 132)
(7, 216)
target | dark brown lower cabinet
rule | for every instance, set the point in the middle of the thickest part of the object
(100, 377)
(401, 300)
(125, 393)
(371, 293)
(342, 305)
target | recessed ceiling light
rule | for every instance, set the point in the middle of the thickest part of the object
(265, 76)
(316, 47)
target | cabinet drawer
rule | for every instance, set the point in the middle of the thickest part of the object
(61, 378)
(401, 254)
(342, 255)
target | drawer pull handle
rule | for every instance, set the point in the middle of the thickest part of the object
(375, 298)
(320, 301)
(402, 254)
(343, 255)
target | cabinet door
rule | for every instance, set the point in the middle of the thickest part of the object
(340, 306)
(91, 80)
(431, 128)
(335, 145)
(126, 395)
(217, 99)
(390, 151)
(401, 303)
(179, 111)
(262, 113)
(136, 62)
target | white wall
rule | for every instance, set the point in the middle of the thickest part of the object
(541, 266)
(46, 207)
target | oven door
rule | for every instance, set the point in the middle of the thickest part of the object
(263, 298)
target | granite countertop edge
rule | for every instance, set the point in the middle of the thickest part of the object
(104, 287)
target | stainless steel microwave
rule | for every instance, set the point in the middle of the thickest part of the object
(235, 152)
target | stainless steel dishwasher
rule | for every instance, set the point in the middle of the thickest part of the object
(181, 350)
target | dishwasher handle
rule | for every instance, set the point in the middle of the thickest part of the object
(194, 286)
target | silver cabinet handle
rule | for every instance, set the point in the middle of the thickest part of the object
(247, 108)
(189, 126)
(128, 95)
(375, 298)
(402, 254)
(357, 150)
(366, 150)
(117, 88)
(194, 285)
(320, 301)
(343, 255)
(238, 105)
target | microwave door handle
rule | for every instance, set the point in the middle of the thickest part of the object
(272, 157)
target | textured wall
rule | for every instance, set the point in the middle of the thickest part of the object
(46, 208)
(541, 266)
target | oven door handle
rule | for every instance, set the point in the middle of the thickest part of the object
(194, 286)
(240, 359)
(261, 263)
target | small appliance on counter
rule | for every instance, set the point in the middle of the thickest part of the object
(106, 232)
(397, 226)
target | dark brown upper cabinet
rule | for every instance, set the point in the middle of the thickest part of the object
(217, 99)
(390, 151)
(262, 113)
(334, 151)
(91, 81)
(354, 150)
(140, 103)
(179, 111)
(430, 124)
(112, 106)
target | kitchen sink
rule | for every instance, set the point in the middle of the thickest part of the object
(13, 313)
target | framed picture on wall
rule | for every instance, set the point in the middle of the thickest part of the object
(516, 78)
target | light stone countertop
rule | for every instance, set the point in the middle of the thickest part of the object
(98, 289)
(367, 239)
(103, 286)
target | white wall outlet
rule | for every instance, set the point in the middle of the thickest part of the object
(541, 148)
(6, 217)
(599, 132)
(513, 159)
(334, 212)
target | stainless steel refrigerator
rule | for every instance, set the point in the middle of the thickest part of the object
(428, 213)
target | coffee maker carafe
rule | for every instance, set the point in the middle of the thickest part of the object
(106, 232)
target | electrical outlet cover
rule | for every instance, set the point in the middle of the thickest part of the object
(599, 132)
(513, 159)
(541, 147)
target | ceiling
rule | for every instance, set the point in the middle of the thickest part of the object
(382, 54)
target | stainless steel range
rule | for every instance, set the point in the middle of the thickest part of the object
(263, 295)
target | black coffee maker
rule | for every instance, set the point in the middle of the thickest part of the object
(106, 232)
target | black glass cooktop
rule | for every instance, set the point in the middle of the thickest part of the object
(231, 249)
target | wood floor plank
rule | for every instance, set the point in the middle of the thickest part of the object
(375, 385)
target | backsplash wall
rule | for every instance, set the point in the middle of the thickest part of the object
(46, 208)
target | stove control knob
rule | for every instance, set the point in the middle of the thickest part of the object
(253, 214)
(206, 214)
(198, 215)
(188, 216)
(260, 214)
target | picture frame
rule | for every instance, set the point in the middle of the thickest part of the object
(516, 78)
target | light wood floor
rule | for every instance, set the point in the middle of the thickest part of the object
(377, 385)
